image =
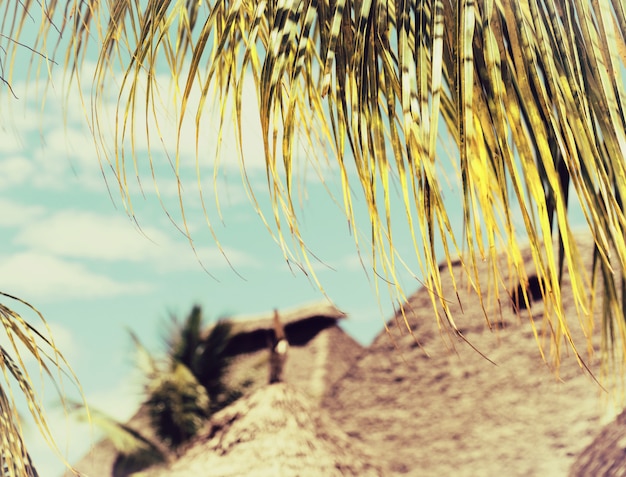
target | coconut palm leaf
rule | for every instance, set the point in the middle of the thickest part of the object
(212, 361)
(14, 458)
(185, 339)
(24, 339)
(146, 363)
(202, 352)
(186, 387)
(178, 405)
(531, 92)
(126, 440)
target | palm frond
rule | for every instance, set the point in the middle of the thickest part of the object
(124, 438)
(201, 351)
(178, 405)
(23, 339)
(212, 362)
(185, 338)
(531, 92)
(136, 451)
(146, 363)
(14, 458)
(186, 387)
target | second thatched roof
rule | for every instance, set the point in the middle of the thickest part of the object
(435, 410)
(277, 431)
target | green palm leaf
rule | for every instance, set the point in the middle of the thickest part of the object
(186, 387)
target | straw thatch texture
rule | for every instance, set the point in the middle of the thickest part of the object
(312, 367)
(310, 316)
(277, 431)
(434, 410)
(425, 404)
(606, 455)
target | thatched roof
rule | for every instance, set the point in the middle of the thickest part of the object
(606, 455)
(301, 324)
(439, 410)
(312, 368)
(319, 353)
(322, 310)
(277, 431)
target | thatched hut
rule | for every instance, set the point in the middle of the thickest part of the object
(277, 431)
(319, 353)
(432, 405)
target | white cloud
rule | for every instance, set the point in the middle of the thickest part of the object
(64, 340)
(164, 131)
(229, 188)
(67, 152)
(10, 141)
(15, 171)
(81, 234)
(59, 144)
(53, 165)
(209, 257)
(86, 235)
(54, 142)
(37, 276)
(356, 262)
(16, 214)
(347, 263)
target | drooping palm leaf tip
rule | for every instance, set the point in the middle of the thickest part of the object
(530, 93)
(135, 450)
(184, 390)
(22, 338)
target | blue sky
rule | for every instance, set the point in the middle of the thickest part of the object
(69, 248)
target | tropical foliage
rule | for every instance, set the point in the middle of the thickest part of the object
(25, 340)
(185, 388)
(136, 451)
(203, 353)
(178, 406)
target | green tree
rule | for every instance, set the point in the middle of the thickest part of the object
(183, 389)
(203, 353)
(530, 91)
(186, 387)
